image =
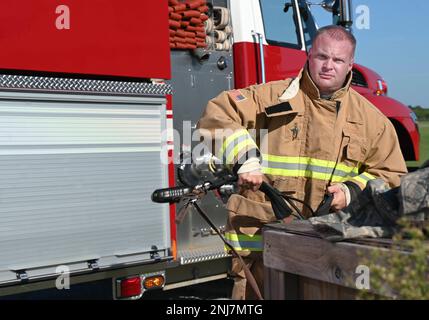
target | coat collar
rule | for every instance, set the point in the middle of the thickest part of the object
(290, 101)
(310, 88)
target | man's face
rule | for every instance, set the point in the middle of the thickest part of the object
(329, 62)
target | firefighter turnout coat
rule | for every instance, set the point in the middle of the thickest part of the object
(305, 143)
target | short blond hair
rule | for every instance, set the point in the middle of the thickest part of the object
(338, 33)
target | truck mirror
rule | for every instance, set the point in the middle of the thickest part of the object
(328, 5)
(287, 6)
(345, 13)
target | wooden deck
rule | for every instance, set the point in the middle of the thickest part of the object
(299, 264)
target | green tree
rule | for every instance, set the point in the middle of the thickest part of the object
(401, 272)
(421, 113)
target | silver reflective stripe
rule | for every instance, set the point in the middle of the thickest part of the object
(307, 167)
(246, 245)
(230, 147)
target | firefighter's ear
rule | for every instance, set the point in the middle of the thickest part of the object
(352, 61)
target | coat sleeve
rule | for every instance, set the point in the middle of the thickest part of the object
(225, 126)
(385, 160)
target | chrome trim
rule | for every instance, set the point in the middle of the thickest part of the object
(346, 14)
(298, 17)
(195, 281)
(90, 86)
(193, 256)
(260, 39)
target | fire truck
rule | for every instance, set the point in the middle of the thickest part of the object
(88, 90)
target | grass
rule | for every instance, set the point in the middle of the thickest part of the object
(424, 144)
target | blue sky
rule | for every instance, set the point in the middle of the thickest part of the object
(396, 45)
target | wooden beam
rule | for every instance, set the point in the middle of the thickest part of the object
(313, 257)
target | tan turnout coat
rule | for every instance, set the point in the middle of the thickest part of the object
(308, 143)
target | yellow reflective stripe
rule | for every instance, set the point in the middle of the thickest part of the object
(363, 178)
(230, 139)
(308, 167)
(243, 237)
(343, 167)
(368, 176)
(340, 179)
(297, 173)
(360, 180)
(303, 160)
(234, 152)
(310, 161)
(244, 242)
(243, 249)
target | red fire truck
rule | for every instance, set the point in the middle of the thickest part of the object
(87, 90)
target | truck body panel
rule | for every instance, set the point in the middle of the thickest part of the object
(86, 37)
(77, 174)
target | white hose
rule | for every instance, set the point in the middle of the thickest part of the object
(222, 17)
(209, 25)
(228, 30)
(227, 45)
(220, 36)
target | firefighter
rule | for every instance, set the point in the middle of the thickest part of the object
(308, 136)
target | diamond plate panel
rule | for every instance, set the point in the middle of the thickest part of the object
(65, 85)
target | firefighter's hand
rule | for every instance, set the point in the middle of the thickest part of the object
(250, 180)
(339, 201)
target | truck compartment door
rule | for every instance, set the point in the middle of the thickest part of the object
(76, 176)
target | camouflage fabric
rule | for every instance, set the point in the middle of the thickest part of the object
(375, 212)
(414, 193)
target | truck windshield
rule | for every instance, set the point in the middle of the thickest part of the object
(280, 26)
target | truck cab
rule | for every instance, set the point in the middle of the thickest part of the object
(284, 32)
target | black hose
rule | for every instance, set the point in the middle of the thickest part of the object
(280, 208)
